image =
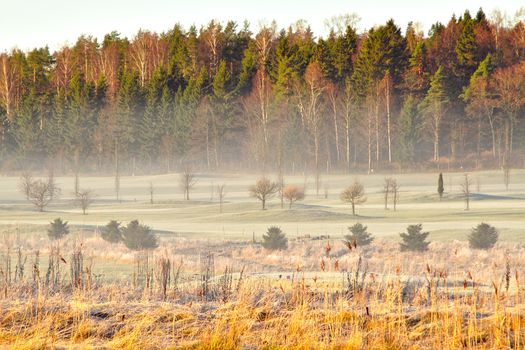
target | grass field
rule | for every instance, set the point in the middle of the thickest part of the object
(316, 294)
(242, 217)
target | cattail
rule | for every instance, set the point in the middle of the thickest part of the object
(327, 249)
(322, 265)
(507, 273)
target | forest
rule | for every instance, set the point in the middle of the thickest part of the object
(222, 97)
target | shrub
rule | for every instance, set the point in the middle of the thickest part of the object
(275, 239)
(354, 194)
(112, 232)
(293, 193)
(138, 236)
(57, 229)
(39, 192)
(263, 190)
(359, 234)
(414, 239)
(483, 236)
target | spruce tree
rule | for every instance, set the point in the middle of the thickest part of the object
(483, 236)
(440, 188)
(137, 236)
(275, 239)
(57, 229)
(466, 51)
(409, 130)
(359, 234)
(414, 239)
(112, 232)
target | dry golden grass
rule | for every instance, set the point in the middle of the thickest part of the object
(308, 297)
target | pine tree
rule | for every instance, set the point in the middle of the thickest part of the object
(57, 229)
(112, 232)
(275, 239)
(414, 239)
(440, 188)
(483, 236)
(359, 234)
(138, 236)
(466, 51)
(416, 76)
(409, 131)
(434, 106)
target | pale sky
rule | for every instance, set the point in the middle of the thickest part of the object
(29, 23)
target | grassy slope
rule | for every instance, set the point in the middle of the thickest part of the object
(242, 216)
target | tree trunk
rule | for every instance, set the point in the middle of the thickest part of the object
(369, 144)
(377, 127)
(388, 119)
(478, 145)
(436, 138)
(493, 134)
(347, 126)
(336, 129)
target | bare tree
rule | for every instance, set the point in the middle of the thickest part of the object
(386, 190)
(187, 181)
(263, 190)
(221, 193)
(151, 192)
(280, 182)
(506, 173)
(309, 97)
(84, 198)
(354, 194)
(39, 192)
(117, 171)
(394, 189)
(465, 188)
(390, 187)
(293, 193)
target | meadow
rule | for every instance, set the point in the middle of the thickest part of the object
(210, 284)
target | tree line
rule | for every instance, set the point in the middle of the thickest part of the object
(222, 97)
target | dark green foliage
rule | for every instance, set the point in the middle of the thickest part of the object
(414, 239)
(466, 51)
(57, 229)
(137, 236)
(483, 236)
(275, 239)
(440, 188)
(384, 51)
(359, 234)
(410, 131)
(112, 232)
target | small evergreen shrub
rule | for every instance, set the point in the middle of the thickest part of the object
(138, 236)
(359, 234)
(57, 229)
(112, 232)
(414, 239)
(275, 239)
(483, 236)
